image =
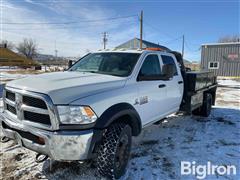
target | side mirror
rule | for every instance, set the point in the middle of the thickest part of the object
(168, 70)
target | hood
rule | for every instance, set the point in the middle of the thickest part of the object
(65, 87)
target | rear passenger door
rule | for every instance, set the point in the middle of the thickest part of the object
(174, 85)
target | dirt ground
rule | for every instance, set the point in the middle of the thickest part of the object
(158, 151)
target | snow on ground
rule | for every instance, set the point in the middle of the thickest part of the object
(228, 93)
(158, 151)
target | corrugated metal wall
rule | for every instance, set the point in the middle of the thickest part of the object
(221, 53)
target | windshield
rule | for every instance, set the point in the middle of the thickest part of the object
(116, 64)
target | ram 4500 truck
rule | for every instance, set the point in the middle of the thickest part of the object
(92, 110)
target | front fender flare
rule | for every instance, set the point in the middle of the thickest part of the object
(116, 111)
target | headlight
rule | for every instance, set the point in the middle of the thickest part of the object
(76, 115)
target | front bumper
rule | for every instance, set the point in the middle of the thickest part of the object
(58, 145)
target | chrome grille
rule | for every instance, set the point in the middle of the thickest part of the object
(38, 118)
(31, 108)
(10, 96)
(30, 101)
(11, 109)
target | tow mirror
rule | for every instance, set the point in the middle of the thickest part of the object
(168, 70)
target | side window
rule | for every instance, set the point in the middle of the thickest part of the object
(169, 60)
(150, 66)
(213, 65)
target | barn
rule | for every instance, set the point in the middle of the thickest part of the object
(221, 58)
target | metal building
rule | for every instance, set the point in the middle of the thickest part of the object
(221, 58)
(135, 44)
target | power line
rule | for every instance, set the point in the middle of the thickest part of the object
(190, 49)
(158, 29)
(62, 27)
(70, 22)
(166, 34)
(173, 40)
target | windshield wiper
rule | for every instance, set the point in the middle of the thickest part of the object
(89, 71)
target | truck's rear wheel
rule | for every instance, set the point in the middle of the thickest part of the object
(115, 150)
(207, 105)
(205, 109)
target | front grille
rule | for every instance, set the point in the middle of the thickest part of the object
(11, 109)
(34, 102)
(10, 95)
(38, 118)
(31, 107)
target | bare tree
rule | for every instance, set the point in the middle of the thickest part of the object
(9, 44)
(27, 48)
(234, 38)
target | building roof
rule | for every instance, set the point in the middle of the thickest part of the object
(216, 44)
(135, 44)
(10, 58)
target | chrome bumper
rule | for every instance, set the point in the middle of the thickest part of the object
(59, 145)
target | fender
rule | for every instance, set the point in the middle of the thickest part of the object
(115, 112)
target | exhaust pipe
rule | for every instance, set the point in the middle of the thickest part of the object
(40, 158)
(4, 139)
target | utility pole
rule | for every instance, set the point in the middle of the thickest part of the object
(104, 40)
(141, 28)
(183, 42)
(56, 51)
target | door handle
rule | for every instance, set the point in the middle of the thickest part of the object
(180, 82)
(162, 86)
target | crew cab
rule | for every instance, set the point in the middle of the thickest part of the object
(92, 110)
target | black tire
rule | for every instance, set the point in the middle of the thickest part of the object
(114, 152)
(205, 109)
(207, 105)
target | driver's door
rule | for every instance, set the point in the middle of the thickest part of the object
(151, 103)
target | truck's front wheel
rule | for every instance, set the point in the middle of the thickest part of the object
(115, 150)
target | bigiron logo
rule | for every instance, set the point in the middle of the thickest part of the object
(202, 171)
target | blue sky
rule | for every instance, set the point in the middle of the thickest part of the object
(164, 22)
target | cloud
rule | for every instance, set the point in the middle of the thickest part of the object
(71, 39)
(29, 1)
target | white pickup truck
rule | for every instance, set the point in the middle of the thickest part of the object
(92, 110)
